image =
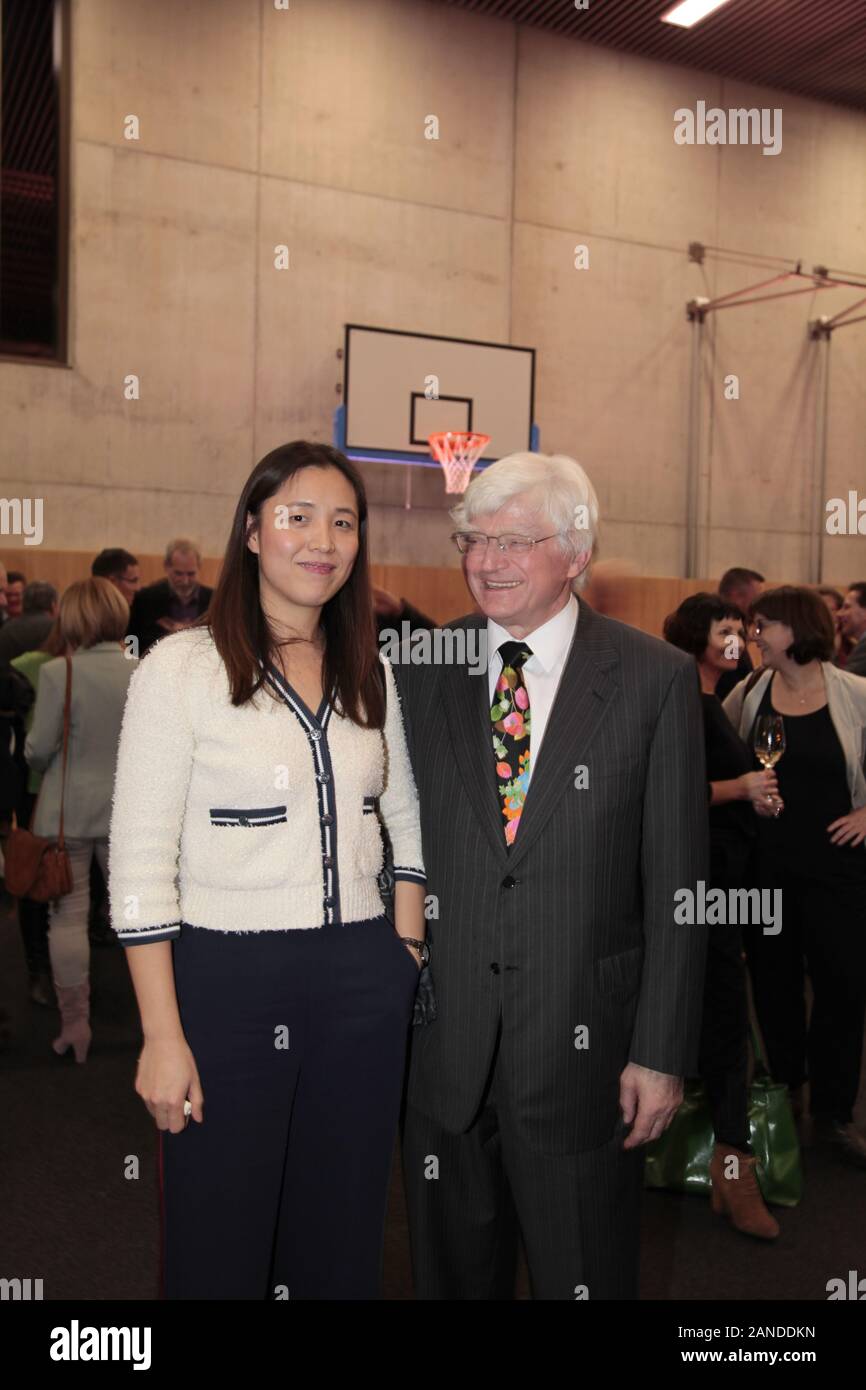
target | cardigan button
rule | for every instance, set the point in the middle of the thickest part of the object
(323, 777)
(327, 861)
(327, 820)
(315, 734)
(243, 820)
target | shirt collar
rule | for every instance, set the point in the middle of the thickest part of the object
(549, 642)
(184, 602)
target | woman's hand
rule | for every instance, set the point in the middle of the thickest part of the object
(409, 920)
(416, 955)
(762, 789)
(850, 829)
(166, 1076)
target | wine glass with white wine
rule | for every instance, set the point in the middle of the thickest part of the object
(769, 743)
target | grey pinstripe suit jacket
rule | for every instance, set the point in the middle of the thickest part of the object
(586, 934)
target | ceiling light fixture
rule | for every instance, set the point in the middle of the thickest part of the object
(689, 12)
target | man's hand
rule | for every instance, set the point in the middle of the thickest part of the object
(650, 1099)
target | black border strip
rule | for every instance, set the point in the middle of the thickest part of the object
(317, 737)
(438, 338)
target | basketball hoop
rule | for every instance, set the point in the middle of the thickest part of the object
(458, 452)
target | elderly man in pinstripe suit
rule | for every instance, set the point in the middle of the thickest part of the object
(563, 803)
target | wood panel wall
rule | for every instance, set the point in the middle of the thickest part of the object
(642, 601)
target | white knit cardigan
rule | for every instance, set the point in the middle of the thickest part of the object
(252, 818)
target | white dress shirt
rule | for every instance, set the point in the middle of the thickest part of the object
(550, 646)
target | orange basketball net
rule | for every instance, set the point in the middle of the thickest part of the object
(458, 452)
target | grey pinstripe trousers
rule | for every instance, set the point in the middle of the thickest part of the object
(578, 1214)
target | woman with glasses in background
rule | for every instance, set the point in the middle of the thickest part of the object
(815, 852)
(711, 629)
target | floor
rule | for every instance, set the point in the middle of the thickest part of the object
(74, 1218)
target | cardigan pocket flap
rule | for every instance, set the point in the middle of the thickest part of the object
(248, 816)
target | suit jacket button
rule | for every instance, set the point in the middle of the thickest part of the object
(494, 966)
(509, 882)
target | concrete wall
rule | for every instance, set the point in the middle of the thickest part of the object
(306, 127)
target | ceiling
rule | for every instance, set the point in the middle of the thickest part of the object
(814, 47)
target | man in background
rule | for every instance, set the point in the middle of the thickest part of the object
(7, 802)
(120, 568)
(391, 612)
(173, 603)
(19, 635)
(28, 631)
(740, 587)
(852, 625)
(8, 783)
(16, 582)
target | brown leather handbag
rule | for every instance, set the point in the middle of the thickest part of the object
(38, 868)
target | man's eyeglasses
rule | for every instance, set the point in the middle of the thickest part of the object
(476, 542)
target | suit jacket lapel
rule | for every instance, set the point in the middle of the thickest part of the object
(467, 707)
(582, 699)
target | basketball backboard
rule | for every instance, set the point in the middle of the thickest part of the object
(399, 388)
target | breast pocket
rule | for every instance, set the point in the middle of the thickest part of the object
(247, 818)
(247, 847)
(612, 770)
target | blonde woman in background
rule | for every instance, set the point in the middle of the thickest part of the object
(94, 617)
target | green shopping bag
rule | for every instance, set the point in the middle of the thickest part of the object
(680, 1158)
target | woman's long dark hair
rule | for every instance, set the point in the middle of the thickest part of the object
(240, 630)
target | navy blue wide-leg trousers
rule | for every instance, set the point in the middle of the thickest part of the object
(300, 1041)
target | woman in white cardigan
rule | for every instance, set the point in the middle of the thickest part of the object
(814, 851)
(275, 995)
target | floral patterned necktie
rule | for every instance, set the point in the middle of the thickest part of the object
(512, 720)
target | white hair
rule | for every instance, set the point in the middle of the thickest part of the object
(555, 483)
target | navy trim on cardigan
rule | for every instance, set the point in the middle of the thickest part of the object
(142, 936)
(315, 727)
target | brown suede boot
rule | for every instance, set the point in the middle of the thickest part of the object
(74, 1005)
(740, 1198)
